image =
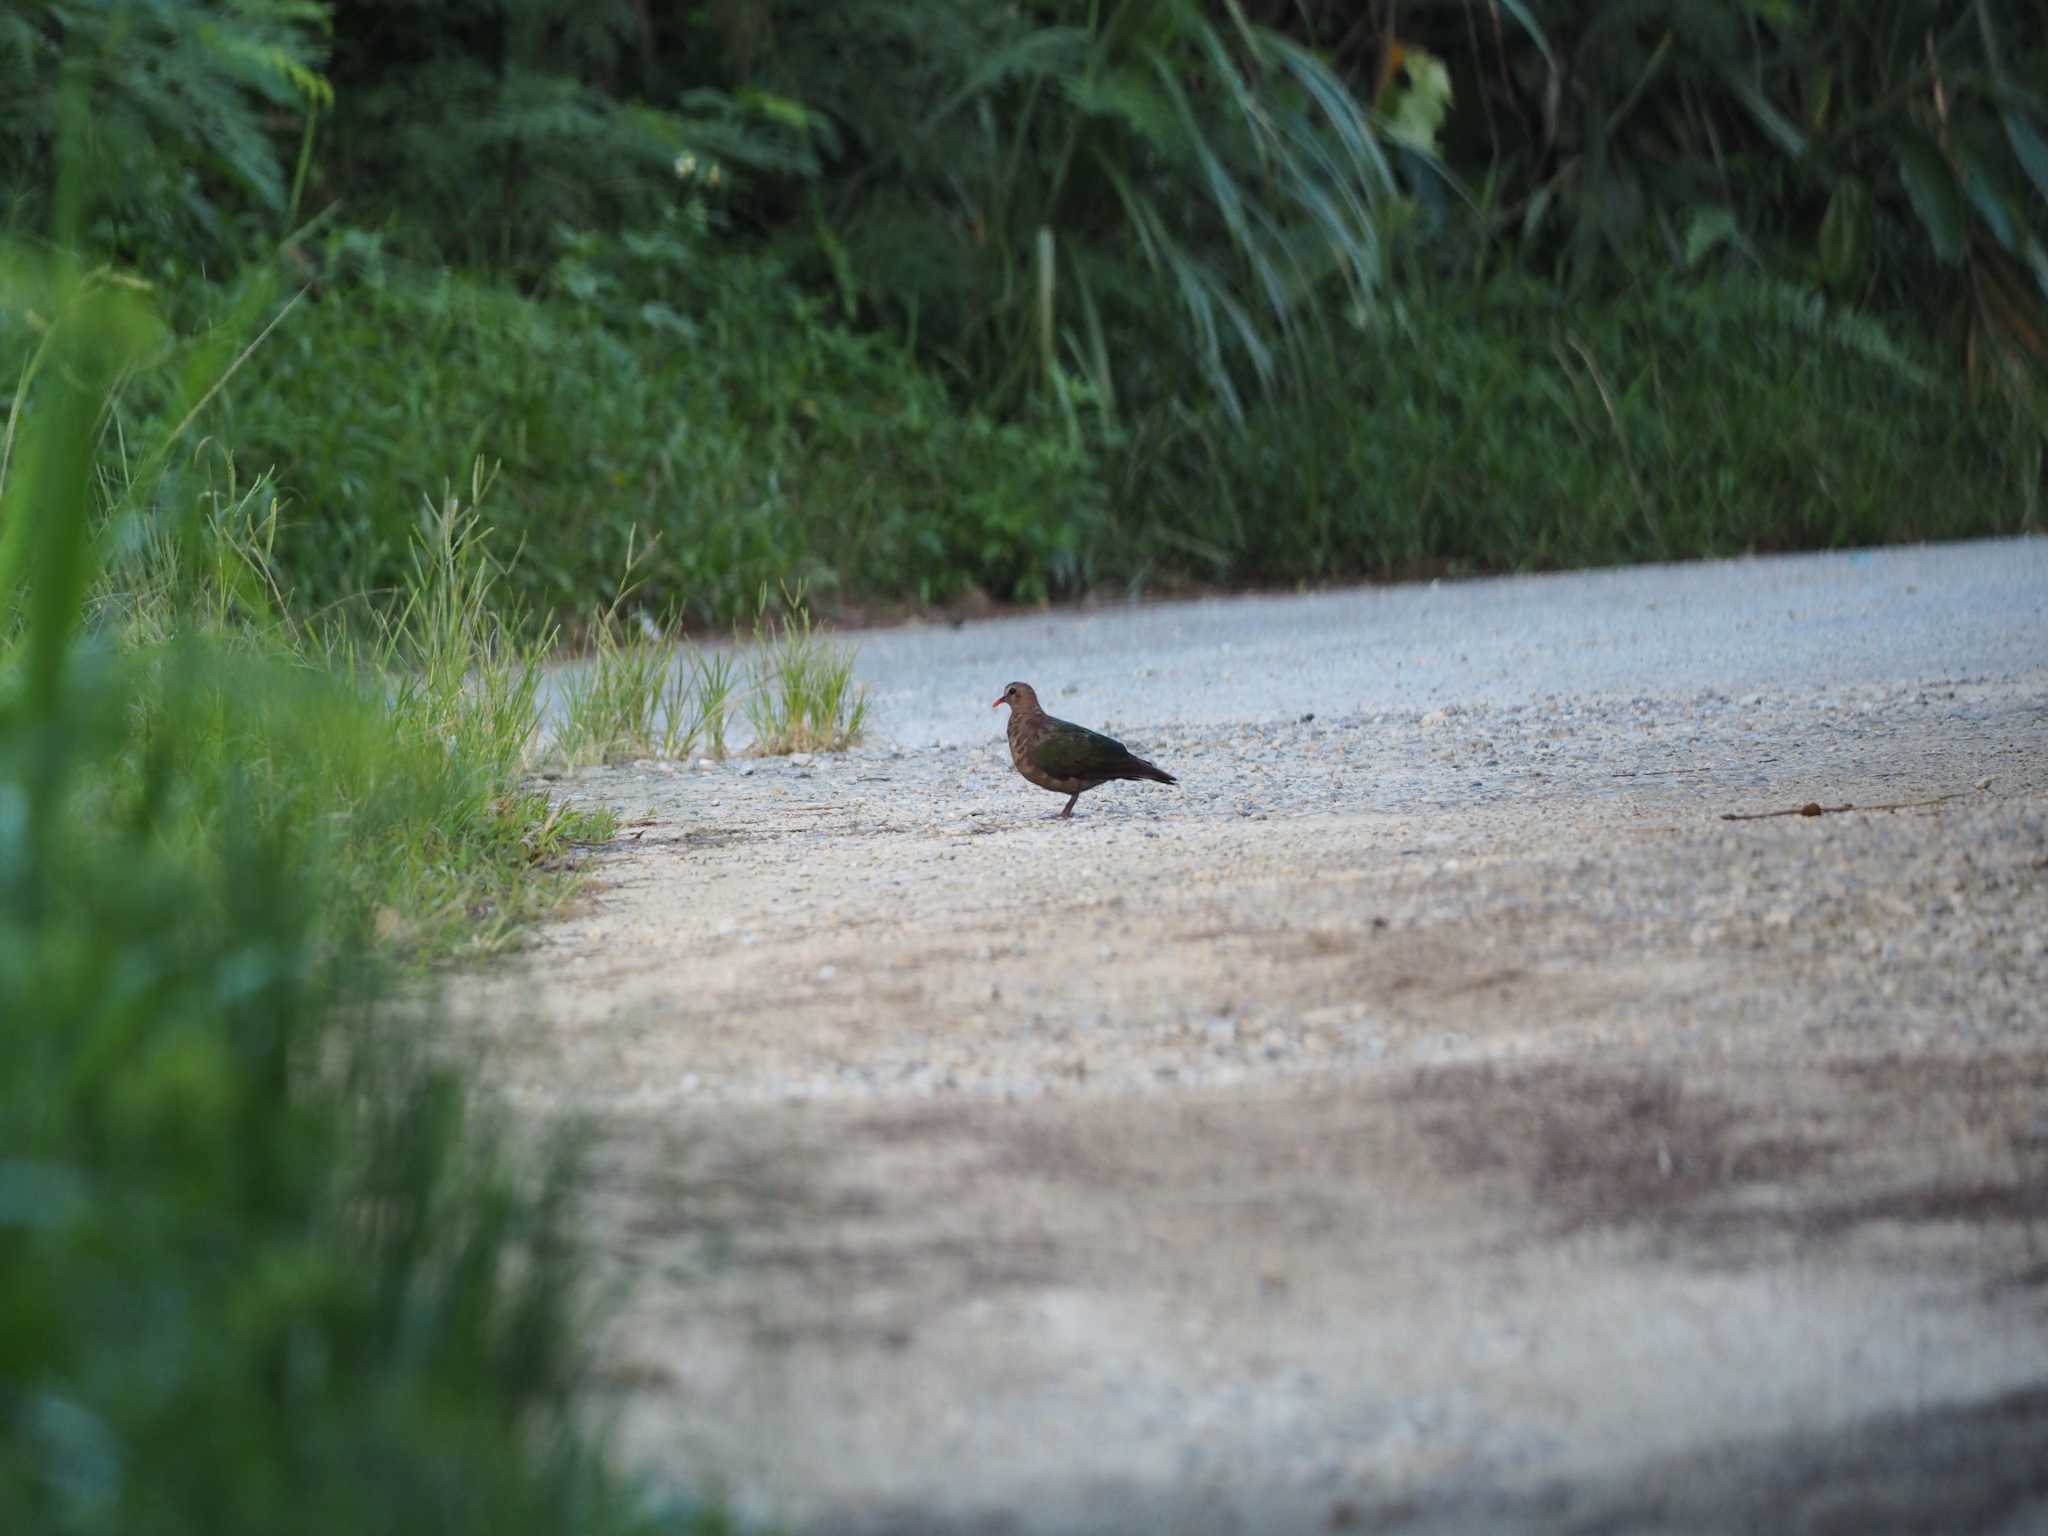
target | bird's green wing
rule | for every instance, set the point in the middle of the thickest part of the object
(1075, 751)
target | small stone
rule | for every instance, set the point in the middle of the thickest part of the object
(827, 972)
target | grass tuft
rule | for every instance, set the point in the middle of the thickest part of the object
(446, 848)
(713, 681)
(462, 673)
(644, 692)
(801, 696)
(629, 698)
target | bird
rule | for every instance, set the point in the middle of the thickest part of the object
(1065, 758)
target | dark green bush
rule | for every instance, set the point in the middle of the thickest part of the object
(657, 396)
(194, 113)
(1495, 429)
(731, 433)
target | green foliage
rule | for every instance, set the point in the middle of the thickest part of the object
(260, 1267)
(477, 130)
(433, 842)
(1495, 430)
(1048, 184)
(183, 163)
(478, 859)
(697, 408)
(472, 134)
(1888, 149)
(738, 437)
(920, 302)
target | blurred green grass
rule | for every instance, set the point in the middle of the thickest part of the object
(264, 1265)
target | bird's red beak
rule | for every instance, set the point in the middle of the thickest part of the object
(997, 705)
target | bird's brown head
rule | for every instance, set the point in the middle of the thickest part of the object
(1019, 697)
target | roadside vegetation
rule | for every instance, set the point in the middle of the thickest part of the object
(908, 304)
(643, 689)
(263, 1265)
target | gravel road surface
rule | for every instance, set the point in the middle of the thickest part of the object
(1431, 1115)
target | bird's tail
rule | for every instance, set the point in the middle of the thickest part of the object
(1140, 769)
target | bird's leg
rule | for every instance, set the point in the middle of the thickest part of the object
(1070, 803)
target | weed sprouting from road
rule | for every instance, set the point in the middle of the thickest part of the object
(644, 691)
(801, 694)
(713, 680)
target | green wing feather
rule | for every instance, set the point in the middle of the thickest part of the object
(1076, 752)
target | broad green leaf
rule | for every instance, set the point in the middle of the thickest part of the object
(1520, 12)
(1768, 117)
(780, 109)
(1934, 195)
(2029, 147)
(1988, 200)
(2037, 259)
(99, 328)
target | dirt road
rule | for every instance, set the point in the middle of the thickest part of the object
(1430, 1116)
